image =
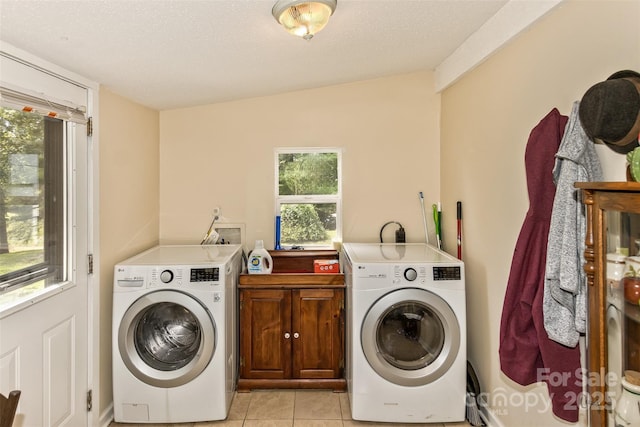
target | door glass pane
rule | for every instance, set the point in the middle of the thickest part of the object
(410, 335)
(622, 304)
(167, 336)
(32, 198)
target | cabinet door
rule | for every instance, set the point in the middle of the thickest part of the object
(265, 333)
(317, 332)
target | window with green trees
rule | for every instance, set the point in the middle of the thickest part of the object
(32, 239)
(308, 196)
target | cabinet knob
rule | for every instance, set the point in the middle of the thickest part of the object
(287, 335)
(296, 335)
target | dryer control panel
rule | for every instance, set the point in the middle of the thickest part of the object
(447, 273)
(409, 274)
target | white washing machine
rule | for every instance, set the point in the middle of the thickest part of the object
(174, 334)
(406, 345)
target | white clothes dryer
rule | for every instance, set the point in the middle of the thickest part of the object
(406, 352)
(174, 334)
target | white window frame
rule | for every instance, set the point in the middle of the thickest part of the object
(316, 199)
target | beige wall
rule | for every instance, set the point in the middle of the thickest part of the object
(223, 155)
(486, 120)
(129, 202)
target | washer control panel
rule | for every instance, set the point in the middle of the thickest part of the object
(209, 274)
(166, 276)
(132, 277)
(178, 275)
(410, 274)
(416, 274)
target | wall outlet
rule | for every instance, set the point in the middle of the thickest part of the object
(216, 211)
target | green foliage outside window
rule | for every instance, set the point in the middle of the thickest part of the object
(308, 174)
(21, 138)
(303, 224)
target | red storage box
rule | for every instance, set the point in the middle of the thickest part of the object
(326, 266)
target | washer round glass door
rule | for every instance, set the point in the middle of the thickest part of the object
(410, 337)
(167, 338)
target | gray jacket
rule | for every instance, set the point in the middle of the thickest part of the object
(565, 302)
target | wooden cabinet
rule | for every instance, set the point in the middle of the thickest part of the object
(613, 336)
(291, 331)
(265, 333)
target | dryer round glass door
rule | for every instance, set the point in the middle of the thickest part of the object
(167, 338)
(410, 337)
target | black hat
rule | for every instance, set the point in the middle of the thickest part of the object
(610, 111)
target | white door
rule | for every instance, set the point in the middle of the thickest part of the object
(43, 346)
(44, 331)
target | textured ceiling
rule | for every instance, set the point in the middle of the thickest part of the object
(175, 53)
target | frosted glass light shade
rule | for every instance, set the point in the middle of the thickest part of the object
(303, 18)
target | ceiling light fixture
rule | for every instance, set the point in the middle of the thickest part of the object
(303, 18)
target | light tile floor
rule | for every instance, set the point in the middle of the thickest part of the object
(290, 408)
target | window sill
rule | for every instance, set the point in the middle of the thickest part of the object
(24, 297)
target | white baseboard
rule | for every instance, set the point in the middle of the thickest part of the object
(107, 416)
(490, 419)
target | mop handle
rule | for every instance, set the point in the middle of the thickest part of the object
(424, 218)
(459, 217)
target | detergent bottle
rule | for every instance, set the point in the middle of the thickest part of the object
(260, 261)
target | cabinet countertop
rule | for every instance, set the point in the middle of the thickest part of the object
(609, 186)
(292, 280)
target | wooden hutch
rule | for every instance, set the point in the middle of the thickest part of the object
(613, 225)
(292, 325)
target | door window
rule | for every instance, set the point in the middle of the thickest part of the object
(32, 200)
